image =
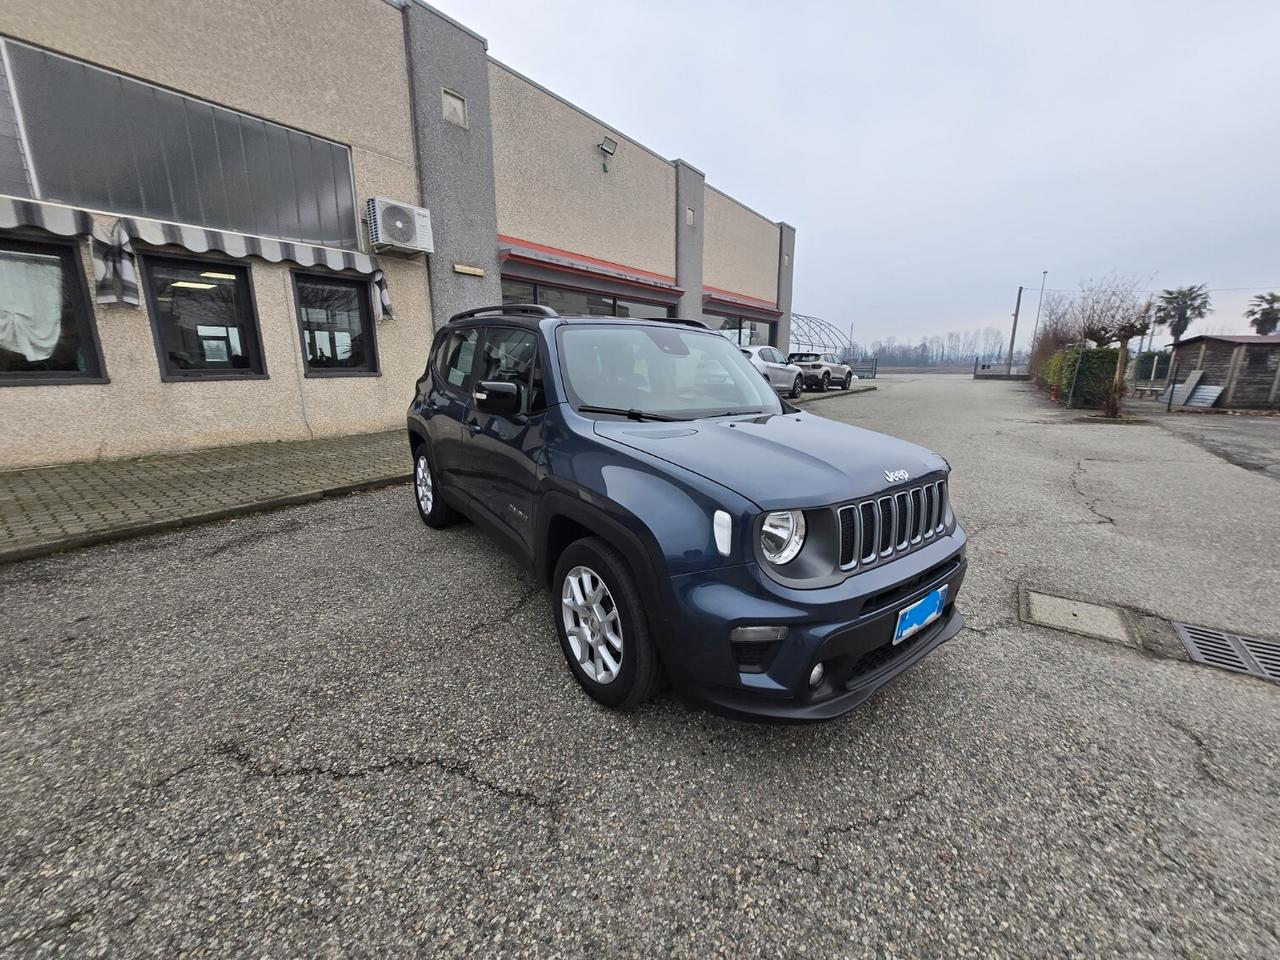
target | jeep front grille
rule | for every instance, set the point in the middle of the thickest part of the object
(884, 527)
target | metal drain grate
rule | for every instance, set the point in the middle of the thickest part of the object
(1229, 651)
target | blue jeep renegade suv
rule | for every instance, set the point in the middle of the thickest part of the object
(689, 523)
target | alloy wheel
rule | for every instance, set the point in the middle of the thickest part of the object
(592, 624)
(423, 486)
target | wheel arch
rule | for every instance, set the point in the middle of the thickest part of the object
(562, 520)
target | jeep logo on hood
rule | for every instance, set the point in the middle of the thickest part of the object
(896, 476)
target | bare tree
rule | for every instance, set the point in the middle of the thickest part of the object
(1114, 309)
(1057, 330)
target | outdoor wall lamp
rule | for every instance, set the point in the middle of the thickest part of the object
(608, 146)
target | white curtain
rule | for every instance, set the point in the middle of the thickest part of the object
(31, 294)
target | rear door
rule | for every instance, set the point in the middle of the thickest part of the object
(448, 400)
(779, 374)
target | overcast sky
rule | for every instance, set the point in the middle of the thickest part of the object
(933, 156)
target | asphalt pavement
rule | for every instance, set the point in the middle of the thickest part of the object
(328, 730)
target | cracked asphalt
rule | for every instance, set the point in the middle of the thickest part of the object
(330, 731)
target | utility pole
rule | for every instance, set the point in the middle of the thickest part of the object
(1013, 336)
(1044, 275)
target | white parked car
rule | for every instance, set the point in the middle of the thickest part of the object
(823, 370)
(784, 377)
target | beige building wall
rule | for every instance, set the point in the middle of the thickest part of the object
(551, 188)
(740, 248)
(303, 63)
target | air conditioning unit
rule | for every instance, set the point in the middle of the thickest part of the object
(399, 226)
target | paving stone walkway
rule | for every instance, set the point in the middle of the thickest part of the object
(47, 509)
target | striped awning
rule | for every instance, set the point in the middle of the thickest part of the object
(114, 268)
(122, 270)
(61, 221)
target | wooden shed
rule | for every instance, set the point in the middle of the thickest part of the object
(1245, 367)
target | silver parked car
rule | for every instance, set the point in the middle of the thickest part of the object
(822, 370)
(784, 377)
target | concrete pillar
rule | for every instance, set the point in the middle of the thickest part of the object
(455, 160)
(690, 183)
(786, 267)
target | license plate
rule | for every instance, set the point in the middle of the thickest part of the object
(913, 619)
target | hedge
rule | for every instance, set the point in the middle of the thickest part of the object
(1097, 370)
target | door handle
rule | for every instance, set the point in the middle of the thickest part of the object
(472, 427)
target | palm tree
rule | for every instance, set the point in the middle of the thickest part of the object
(1182, 306)
(1264, 313)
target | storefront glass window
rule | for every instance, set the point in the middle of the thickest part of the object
(740, 330)
(640, 309)
(514, 291)
(580, 303)
(575, 302)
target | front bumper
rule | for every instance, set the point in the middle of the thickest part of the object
(848, 627)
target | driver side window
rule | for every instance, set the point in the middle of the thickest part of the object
(509, 357)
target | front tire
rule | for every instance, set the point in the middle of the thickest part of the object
(796, 387)
(848, 381)
(432, 509)
(600, 619)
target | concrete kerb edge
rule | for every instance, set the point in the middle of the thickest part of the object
(130, 531)
(832, 394)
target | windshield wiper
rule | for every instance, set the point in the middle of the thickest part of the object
(632, 414)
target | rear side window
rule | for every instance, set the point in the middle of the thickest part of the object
(455, 357)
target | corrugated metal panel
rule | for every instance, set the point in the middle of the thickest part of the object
(1204, 396)
(15, 178)
(103, 141)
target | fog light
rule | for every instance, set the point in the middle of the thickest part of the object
(815, 675)
(758, 634)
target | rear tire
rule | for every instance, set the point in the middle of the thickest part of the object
(610, 652)
(826, 382)
(796, 387)
(432, 509)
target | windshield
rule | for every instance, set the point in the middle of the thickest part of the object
(673, 371)
(803, 356)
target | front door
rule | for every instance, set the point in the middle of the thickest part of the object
(505, 451)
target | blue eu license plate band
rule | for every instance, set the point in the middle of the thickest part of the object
(913, 619)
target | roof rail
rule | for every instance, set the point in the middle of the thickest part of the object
(685, 321)
(529, 309)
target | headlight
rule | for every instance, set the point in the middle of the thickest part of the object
(782, 535)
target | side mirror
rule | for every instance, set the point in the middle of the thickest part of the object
(497, 397)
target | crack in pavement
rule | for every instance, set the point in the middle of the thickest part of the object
(1204, 758)
(454, 766)
(1074, 479)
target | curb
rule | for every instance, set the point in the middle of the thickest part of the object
(189, 520)
(831, 395)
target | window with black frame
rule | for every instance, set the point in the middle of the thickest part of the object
(336, 324)
(203, 318)
(46, 322)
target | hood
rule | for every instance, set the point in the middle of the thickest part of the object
(783, 460)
